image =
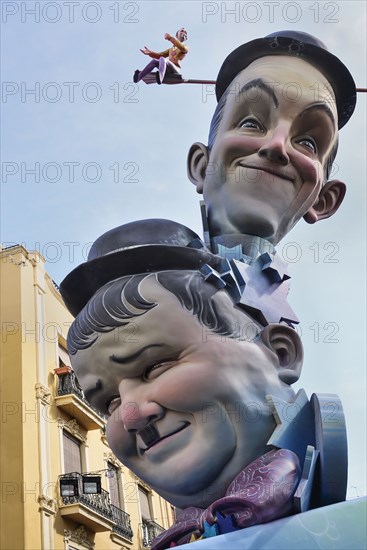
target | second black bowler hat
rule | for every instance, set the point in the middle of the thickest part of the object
(143, 246)
(296, 44)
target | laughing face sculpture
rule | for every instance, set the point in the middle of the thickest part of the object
(183, 380)
(273, 137)
(181, 372)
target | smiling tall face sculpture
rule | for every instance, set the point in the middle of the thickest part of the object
(186, 404)
(275, 136)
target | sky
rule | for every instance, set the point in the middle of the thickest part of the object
(84, 149)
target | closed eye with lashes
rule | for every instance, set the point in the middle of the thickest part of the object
(150, 373)
(156, 370)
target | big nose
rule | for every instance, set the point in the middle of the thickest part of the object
(137, 416)
(275, 147)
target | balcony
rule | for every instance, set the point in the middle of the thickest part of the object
(150, 530)
(70, 398)
(122, 525)
(94, 510)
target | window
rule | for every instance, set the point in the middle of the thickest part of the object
(144, 504)
(114, 486)
(72, 453)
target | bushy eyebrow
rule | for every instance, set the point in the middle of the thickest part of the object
(262, 85)
(133, 356)
(321, 107)
(89, 393)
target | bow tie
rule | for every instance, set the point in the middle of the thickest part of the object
(261, 492)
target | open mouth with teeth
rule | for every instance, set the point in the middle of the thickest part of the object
(150, 435)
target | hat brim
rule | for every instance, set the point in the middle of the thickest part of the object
(84, 281)
(334, 70)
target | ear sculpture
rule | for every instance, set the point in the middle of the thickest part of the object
(286, 344)
(197, 162)
(330, 198)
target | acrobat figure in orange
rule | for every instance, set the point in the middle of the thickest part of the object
(166, 61)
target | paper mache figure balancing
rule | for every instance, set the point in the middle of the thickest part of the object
(167, 62)
(188, 346)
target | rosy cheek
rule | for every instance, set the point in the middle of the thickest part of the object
(185, 389)
(115, 431)
(112, 428)
(234, 145)
(244, 144)
(309, 169)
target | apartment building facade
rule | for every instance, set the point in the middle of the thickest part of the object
(62, 487)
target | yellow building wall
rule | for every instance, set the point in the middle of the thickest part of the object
(11, 453)
(34, 321)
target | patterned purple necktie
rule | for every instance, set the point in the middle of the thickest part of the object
(261, 492)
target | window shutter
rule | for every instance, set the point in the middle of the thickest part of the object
(144, 504)
(113, 484)
(72, 454)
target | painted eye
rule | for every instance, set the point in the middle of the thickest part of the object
(309, 143)
(156, 370)
(252, 124)
(113, 404)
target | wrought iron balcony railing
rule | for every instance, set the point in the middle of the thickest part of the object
(150, 530)
(122, 522)
(68, 384)
(99, 503)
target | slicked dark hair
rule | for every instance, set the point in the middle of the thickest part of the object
(117, 302)
(217, 117)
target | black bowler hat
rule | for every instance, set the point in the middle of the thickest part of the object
(297, 44)
(144, 246)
